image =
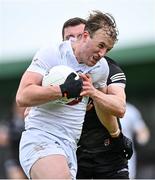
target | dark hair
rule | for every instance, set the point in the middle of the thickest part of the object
(72, 22)
(98, 20)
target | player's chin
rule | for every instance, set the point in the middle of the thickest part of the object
(92, 63)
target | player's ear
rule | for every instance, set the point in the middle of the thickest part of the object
(85, 34)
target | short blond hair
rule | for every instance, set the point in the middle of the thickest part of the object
(98, 20)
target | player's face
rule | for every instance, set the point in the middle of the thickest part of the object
(73, 31)
(91, 50)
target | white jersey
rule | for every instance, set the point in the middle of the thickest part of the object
(131, 122)
(63, 120)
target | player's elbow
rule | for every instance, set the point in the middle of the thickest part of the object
(121, 114)
(20, 102)
(121, 111)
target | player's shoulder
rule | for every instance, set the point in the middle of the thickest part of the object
(103, 64)
(113, 64)
(47, 50)
(116, 74)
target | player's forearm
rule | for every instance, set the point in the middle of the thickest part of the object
(109, 121)
(109, 103)
(35, 95)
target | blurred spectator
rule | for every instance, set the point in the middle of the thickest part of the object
(4, 135)
(133, 125)
(4, 146)
(16, 126)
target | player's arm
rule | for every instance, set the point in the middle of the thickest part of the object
(113, 101)
(31, 93)
(109, 121)
(106, 117)
(122, 143)
(104, 109)
(115, 98)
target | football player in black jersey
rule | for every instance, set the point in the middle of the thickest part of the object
(101, 156)
(101, 152)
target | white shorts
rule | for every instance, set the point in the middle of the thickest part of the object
(36, 144)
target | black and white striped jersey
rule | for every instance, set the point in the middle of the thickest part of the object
(116, 74)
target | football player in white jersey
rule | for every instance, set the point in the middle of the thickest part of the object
(93, 145)
(48, 144)
(140, 131)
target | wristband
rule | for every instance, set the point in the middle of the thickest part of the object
(116, 133)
